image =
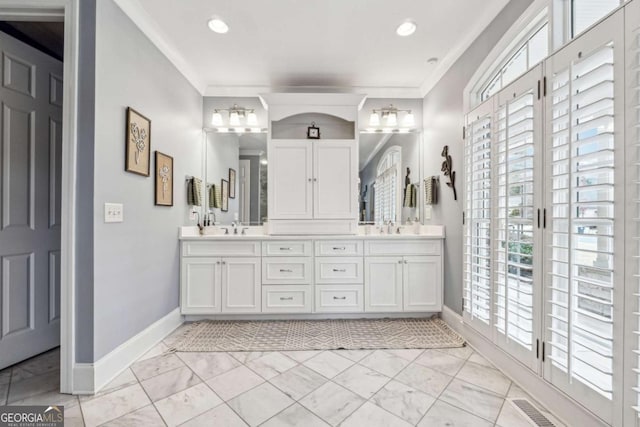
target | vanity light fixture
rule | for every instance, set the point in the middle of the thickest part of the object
(252, 119)
(236, 115)
(409, 120)
(407, 28)
(217, 25)
(234, 118)
(388, 117)
(216, 119)
(374, 119)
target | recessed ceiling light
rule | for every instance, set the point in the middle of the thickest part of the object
(432, 61)
(406, 28)
(217, 25)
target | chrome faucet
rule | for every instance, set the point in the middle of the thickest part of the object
(390, 227)
(244, 230)
(235, 227)
(213, 214)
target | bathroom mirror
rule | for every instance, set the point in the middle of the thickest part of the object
(390, 178)
(246, 154)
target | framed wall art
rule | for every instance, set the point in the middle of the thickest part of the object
(137, 143)
(224, 188)
(232, 183)
(164, 180)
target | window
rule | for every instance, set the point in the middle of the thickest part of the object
(387, 186)
(533, 50)
(587, 12)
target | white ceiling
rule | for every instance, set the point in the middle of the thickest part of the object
(312, 43)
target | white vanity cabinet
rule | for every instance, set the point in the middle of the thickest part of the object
(241, 285)
(287, 276)
(201, 288)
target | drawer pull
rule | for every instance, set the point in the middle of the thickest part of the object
(285, 249)
(285, 270)
(340, 298)
(286, 298)
(339, 248)
(339, 270)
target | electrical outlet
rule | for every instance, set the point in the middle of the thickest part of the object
(113, 212)
(427, 212)
(192, 215)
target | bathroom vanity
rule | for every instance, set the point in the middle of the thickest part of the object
(260, 273)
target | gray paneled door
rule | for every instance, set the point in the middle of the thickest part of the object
(30, 174)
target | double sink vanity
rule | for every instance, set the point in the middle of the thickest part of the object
(260, 273)
(311, 258)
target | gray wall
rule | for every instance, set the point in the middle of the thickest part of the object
(410, 144)
(223, 153)
(443, 122)
(254, 161)
(136, 263)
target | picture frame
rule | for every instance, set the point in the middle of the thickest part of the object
(163, 180)
(224, 189)
(137, 143)
(232, 183)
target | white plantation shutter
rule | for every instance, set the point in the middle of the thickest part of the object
(514, 220)
(580, 283)
(477, 236)
(386, 197)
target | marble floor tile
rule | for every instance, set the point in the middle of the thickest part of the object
(442, 414)
(208, 365)
(473, 399)
(113, 405)
(38, 365)
(332, 403)
(5, 376)
(404, 401)
(298, 382)
(259, 404)
(4, 393)
(409, 354)
(295, 416)
(147, 416)
(50, 398)
(155, 366)
(361, 380)
(34, 385)
(157, 350)
(442, 362)
(425, 379)
(355, 355)
(234, 382)
(371, 415)
(247, 356)
(168, 383)
(301, 356)
(328, 364)
(385, 363)
(489, 378)
(187, 404)
(460, 352)
(73, 416)
(220, 416)
(271, 365)
(176, 335)
(511, 417)
(476, 358)
(124, 379)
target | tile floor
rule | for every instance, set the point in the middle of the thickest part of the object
(385, 388)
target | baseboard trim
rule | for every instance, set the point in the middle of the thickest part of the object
(89, 378)
(308, 316)
(554, 400)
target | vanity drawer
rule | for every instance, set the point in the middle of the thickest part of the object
(339, 299)
(286, 299)
(402, 247)
(282, 271)
(221, 248)
(339, 247)
(339, 270)
(287, 248)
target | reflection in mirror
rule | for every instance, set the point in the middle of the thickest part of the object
(246, 153)
(390, 177)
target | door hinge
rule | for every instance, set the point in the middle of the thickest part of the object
(543, 351)
(539, 91)
(537, 349)
(544, 86)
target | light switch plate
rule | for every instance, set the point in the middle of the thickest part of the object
(113, 212)
(427, 212)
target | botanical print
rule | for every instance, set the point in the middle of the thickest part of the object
(139, 137)
(138, 143)
(164, 180)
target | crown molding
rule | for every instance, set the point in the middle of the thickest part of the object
(371, 92)
(461, 47)
(134, 10)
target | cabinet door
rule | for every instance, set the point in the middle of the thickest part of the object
(335, 165)
(383, 284)
(240, 285)
(290, 179)
(422, 283)
(200, 286)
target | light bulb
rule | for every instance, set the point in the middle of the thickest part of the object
(406, 28)
(252, 119)
(392, 119)
(234, 118)
(216, 119)
(374, 119)
(217, 25)
(409, 120)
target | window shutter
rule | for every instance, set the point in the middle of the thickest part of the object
(477, 237)
(581, 255)
(514, 220)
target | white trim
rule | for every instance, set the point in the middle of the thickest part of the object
(372, 92)
(68, 10)
(461, 47)
(111, 365)
(83, 380)
(309, 316)
(550, 397)
(525, 23)
(137, 13)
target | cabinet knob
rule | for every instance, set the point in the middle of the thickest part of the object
(218, 262)
(406, 262)
(309, 179)
(400, 262)
(315, 179)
